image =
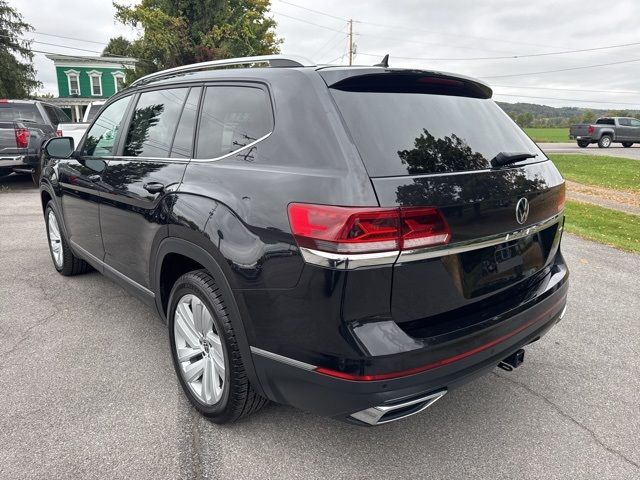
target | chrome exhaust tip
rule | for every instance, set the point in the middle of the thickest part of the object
(390, 413)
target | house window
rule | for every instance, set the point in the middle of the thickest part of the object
(73, 82)
(118, 81)
(96, 83)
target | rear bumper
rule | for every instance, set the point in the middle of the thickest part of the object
(295, 383)
(18, 161)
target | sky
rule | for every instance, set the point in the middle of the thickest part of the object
(454, 36)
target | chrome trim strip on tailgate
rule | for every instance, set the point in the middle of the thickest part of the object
(343, 261)
(461, 247)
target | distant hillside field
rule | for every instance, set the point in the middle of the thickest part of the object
(548, 135)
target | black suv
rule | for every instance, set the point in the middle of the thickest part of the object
(352, 241)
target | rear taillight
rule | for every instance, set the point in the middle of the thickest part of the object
(58, 133)
(562, 197)
(366, 230)
(591, 129)
(22, 137)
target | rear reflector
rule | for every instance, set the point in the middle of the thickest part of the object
(366, 230)
(22, 137)
(562, 197)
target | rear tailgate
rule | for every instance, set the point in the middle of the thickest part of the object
(428, 140)
(580, 130)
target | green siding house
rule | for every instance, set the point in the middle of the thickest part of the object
(82, 80)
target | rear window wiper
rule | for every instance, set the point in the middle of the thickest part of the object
(506, 158)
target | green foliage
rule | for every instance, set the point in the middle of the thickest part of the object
(531, 115)
(602, 171)
(621, 230)
(179, 32)
(548, 135)
(17, 75)
(118, 46)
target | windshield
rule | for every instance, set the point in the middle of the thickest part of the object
(415, 133)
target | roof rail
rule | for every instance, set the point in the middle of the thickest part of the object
(272, 60)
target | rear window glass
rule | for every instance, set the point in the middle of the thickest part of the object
(20, 112)
(417, 133)
(605, 121)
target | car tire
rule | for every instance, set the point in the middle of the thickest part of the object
(627, 144)
(210, 368)
(65, 262)
(605, 141)
(583, 144)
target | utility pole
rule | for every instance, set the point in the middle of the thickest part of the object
(350, 41)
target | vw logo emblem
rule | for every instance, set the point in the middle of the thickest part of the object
(522, 210)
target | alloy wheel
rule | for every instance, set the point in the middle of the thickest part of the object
(199, 349)
(55, 239)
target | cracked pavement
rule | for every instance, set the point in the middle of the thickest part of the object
(87, 389)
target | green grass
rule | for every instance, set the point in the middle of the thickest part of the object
(618, 229)
(610, 172)
(549, 135)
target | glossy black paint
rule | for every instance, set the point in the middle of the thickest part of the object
(229, 215)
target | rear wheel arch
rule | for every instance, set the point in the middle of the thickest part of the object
(45, 198)
(174, 252)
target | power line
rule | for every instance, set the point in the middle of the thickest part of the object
(314, 11)
(568, 99)
(510, 57)
(328, 42)
(306, 21)
(565, 69)
(405, 28)
(68, 38)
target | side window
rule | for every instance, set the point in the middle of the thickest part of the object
(183, 140)
(52, 114)
(624, 122)
(101, 137)
(231, 118)
(62, 117)
(154, 122)
(635, 123)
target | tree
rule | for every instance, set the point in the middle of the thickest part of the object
(17, 75)
(118, 46)
(179, 32)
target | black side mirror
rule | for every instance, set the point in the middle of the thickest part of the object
(59, 147)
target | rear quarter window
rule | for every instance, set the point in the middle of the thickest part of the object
(231, 118)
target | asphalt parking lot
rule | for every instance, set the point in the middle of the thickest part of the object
(87, 389)
(614, 150)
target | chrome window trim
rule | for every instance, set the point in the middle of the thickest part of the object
(226, 155)
(352, 261)
(282, 359)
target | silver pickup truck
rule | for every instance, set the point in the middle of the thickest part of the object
(606, 131)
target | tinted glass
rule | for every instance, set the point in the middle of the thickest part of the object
(154, 122)
(605, 121)
(101, 137)
(51, 113)
(625, 122)
(15, 112)
(232, 117)
(183, 140)
(417, 133)
(62, 117)
(93, 111)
